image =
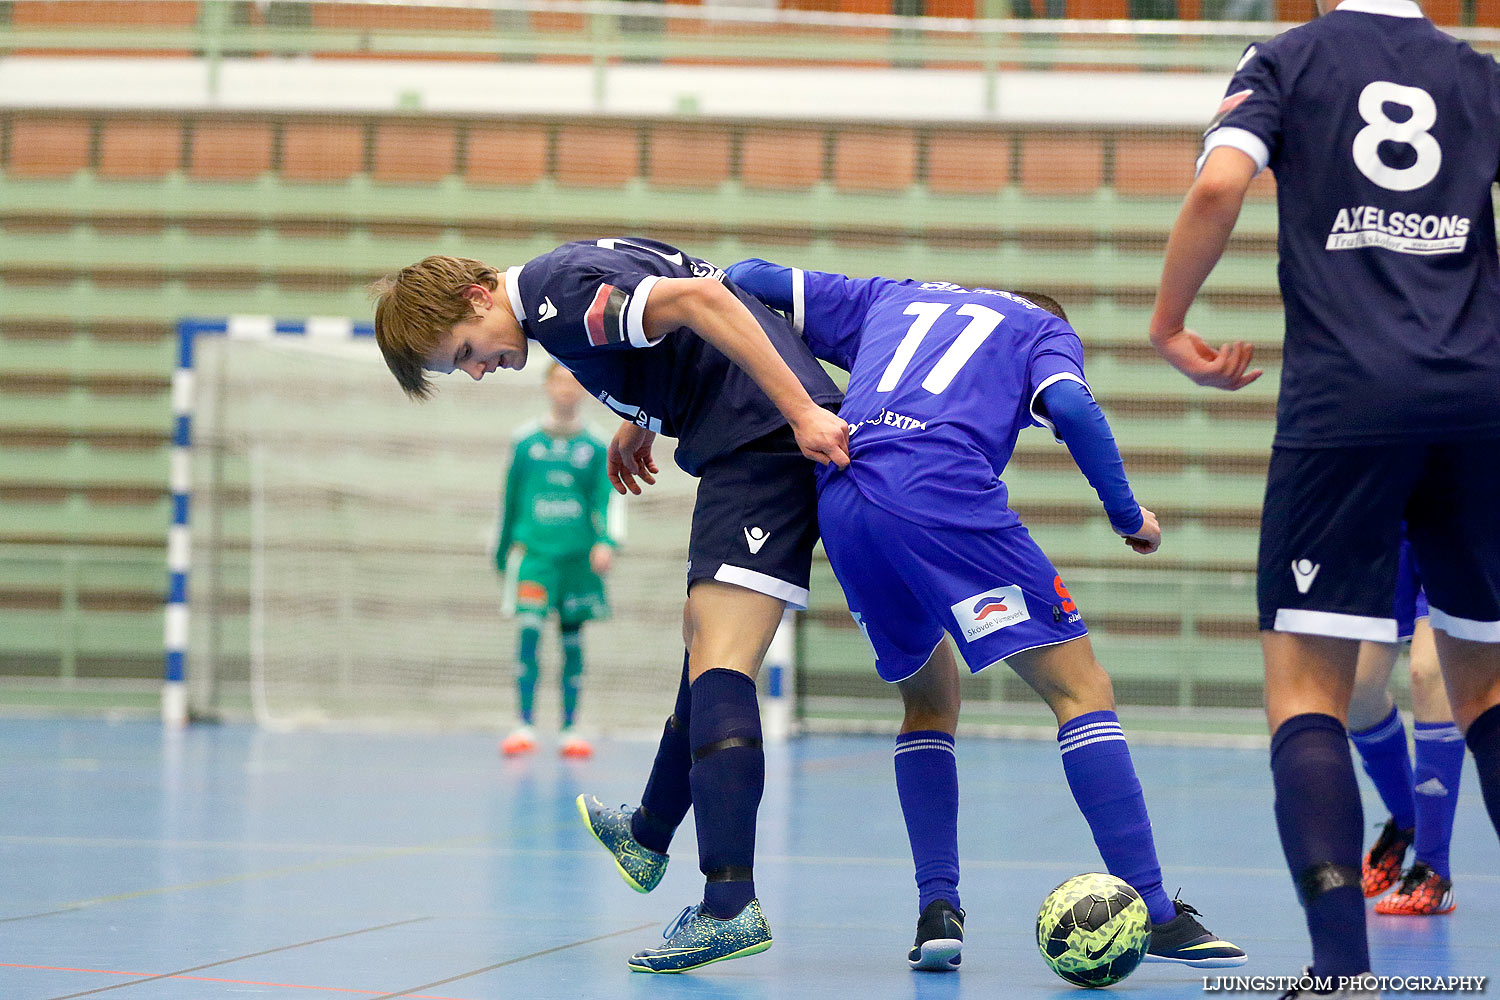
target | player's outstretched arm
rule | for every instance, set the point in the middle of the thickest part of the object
(1197, 242)
(710, 310)
(1081, 425)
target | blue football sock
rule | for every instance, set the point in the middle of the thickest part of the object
(728, 776)
(527, 673)
(668, 794)
(1483, 738)
(927, 784)
(1382, 751)
(1440, 764)
(1096, 760)
(1320, 820)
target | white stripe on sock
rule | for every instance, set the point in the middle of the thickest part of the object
(1088, 743)
(925, 745)
(1092, 729)
(1386, 731)
(1106, 736)
(1088, 732)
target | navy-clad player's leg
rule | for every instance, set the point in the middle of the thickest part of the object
(1456, 536)
(750, 553)
(1000, 598)
(1330, 538)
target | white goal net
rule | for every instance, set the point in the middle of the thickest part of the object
(342, 550)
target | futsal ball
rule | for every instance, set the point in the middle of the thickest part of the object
(1093, 930)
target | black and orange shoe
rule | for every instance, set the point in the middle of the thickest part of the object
(1422, 893)
(1382, 865)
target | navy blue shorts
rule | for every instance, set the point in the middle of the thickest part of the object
(1330, 538)
(755, 520)
(994, 591)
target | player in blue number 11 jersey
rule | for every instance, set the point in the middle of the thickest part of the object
(921, 536)
(1384, 135)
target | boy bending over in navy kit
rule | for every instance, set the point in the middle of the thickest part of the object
(920, 534)
(1384, 135)
(659, 338)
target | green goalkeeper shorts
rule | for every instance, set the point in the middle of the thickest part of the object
(568, 586)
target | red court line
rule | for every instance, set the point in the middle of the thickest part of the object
(210, 979)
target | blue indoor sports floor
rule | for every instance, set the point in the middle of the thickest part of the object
(231, 862)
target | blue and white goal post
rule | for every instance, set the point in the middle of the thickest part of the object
(174, 701)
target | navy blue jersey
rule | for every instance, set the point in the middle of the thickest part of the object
(585, 304)
(941, 381)
(1384, 135)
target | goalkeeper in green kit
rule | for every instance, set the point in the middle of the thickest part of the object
(554, 548)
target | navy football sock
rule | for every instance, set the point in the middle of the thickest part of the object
(1319, 817)
(728, 776)
(1096, 760)
(1382, 751)
(927, 784)
(1483, 738)
(1440, 765)
(668, 794)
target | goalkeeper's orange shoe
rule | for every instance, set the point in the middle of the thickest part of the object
(575, 747)
(521, 741)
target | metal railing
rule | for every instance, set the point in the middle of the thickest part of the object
(611, 33)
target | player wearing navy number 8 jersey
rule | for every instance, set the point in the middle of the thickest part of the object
(1384, 135)
(921, 536)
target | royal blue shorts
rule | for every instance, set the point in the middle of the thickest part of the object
(994, 591)
(1330, 538)
(1411, 602)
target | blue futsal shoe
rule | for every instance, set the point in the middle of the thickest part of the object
(640, 867)
(1184, 941)
(696, 939)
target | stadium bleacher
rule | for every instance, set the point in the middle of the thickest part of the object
(114, 222)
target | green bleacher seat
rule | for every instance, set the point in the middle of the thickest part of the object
(115, 225)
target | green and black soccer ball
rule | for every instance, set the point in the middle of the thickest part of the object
(1093, 930)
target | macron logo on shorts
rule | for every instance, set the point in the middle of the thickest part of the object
(756, 537)
(1305, 571)
(990, 610)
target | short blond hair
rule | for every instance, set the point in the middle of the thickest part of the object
(418, 306)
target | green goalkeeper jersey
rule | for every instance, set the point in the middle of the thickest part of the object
(556, 496)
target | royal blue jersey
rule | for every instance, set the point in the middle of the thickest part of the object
(1384, 135)
(585, 304)
(941, 381)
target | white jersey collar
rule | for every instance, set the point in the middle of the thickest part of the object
(513, 292)
(1390, 8)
